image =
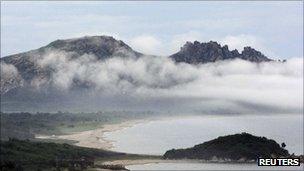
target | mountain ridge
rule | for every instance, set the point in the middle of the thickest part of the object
(26, 63)
(105, 47)
(81, 45)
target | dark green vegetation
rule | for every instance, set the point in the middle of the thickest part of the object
(32, 154)
(27, 155)
(19, 153)
(26, 125)
(242, 147)
(111, 167)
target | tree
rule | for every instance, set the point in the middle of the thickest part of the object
(283, 145)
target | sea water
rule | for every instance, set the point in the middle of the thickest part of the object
(156, 137)
(207, 166)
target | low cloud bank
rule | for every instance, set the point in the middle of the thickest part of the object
(224, 84)
(157, 83)
(117, 74)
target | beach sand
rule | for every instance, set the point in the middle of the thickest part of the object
(93, 138)
(126, 162)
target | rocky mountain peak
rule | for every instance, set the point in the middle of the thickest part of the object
(104, 47)
(253, 55)
(196, 45)
(196, 52)
(100, 46)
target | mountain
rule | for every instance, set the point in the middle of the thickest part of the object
(237, 147)
(196, 53)
(72, 69)
(27, 65)
(102, 47)
(30, 71)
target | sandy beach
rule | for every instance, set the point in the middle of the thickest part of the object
(93, 138)
(126, 162)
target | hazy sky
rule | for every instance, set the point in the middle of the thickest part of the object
(275, 28)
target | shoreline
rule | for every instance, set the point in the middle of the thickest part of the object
(128, 162)
(94, 138)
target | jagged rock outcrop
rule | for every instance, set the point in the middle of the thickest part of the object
(197, 53)
(253, 55)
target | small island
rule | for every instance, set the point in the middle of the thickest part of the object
(242, 147)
